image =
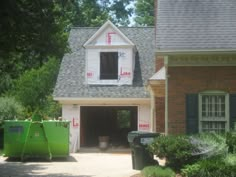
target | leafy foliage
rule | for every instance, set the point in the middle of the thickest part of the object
(231, 141)
(32, 88)
(119, 11)
(33, 32)
(157, 171)
(144, 13)
(10, 109)
(176, 149)
(51, 108)
(213, 167)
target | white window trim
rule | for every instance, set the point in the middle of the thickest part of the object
(213, 92)
(99, 69)
(115, 82)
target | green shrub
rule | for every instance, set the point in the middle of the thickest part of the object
(10, 109)
(231, 141)
(176, 149)
(230, 159)
(191, 170)
(157, 171)
(213, 167)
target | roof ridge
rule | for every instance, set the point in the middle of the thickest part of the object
(78, 27)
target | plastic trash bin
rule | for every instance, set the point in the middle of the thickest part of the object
(36, 138)
(141, 157)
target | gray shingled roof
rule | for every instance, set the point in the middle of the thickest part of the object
(196, 24)
(71, 78)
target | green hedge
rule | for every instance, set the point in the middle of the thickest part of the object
(176, 149)
(157, 171)
(213, 167)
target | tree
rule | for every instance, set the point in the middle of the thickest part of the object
(30, 33)
(144, 13)
(119, 11)
(10, 109)
(96, 12)
(34, 86)
(33, 31)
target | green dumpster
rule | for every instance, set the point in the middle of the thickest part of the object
(36, 138)
(141, 157)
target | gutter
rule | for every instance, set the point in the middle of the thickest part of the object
(195, 52)
(166, 95)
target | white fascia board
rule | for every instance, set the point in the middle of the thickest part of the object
(103, 101)
(103, 27)
(196, 51)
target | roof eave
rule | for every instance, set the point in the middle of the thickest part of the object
(195, 51)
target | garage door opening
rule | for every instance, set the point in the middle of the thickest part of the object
(112, 121)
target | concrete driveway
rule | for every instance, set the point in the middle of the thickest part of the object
(77, 165)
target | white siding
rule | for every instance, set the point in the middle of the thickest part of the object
(144, 118)
(72, 113)
(125, 66)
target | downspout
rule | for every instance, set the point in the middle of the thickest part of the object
(166, 94)
(152, 110)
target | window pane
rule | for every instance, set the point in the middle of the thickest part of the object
(109, 65)
(218, 127)
(213, 113)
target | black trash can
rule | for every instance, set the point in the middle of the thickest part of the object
(141, 157)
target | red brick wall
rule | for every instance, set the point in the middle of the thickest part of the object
(160, 114)
(186, 80)
(159, 62)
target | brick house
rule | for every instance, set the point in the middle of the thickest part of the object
(102, 83)
(195, 80)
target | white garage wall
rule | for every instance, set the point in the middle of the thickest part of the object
(72, 113)
(144, 118)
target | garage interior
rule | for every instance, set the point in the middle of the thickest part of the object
(112, 121)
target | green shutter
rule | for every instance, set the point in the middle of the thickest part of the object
(191, 113)
(232, 110)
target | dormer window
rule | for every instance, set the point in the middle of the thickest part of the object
(110, 57)
(108, 65)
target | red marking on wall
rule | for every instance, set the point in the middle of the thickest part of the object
(124, 73)
(75, 123)
(144, 126)
(109, 37)
(89, 74)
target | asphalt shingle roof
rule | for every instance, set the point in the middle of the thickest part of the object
(71, 78)
(196, 24)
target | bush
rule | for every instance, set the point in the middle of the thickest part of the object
(213, 167)
(176, 149)
(231, 141)
(157, 171)
(10, 109)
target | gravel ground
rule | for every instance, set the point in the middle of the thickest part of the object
(77, 165)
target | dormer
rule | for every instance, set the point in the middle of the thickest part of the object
(110, 57)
